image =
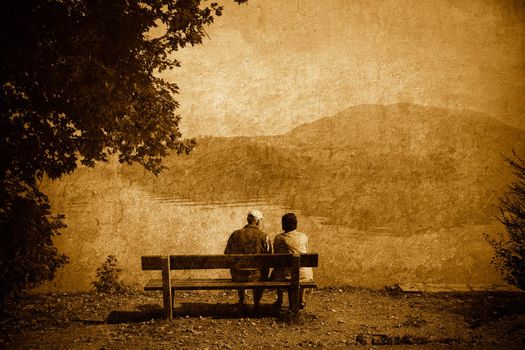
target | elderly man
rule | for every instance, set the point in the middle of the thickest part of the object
(249, 240)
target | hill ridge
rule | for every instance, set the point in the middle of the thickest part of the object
(369, 108)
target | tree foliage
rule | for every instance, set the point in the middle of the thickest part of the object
(28, 256)
(509, 249)
(79, 82)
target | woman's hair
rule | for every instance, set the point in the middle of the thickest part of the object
(289, 222)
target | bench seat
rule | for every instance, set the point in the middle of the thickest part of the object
(212, 284)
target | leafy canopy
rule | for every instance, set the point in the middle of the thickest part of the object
(79, 82)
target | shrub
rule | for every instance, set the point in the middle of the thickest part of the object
(509, 248)
(108, 277)
(28, 257)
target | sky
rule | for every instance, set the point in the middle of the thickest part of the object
(270, 66)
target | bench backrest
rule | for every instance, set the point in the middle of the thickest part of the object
(226, 261)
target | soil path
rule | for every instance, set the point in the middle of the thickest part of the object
(344, 318)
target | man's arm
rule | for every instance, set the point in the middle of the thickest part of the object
(267, 249)
(228, 248)
(268, 245)
(279, 246)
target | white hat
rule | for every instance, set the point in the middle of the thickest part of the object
(257, 215)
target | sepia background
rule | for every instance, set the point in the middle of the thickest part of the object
(382, 124)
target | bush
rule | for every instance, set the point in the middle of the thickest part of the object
(108, 277)
(509, 248)
(27, 255)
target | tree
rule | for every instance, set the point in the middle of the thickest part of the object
(509, 249)
(78, 83)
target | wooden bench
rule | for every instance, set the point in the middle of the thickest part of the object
(205, 262)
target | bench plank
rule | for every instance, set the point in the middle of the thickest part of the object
(226, 261)
(211, 284)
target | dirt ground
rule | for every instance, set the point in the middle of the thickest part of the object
(333, 318)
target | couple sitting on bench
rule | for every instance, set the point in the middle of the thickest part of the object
(251, 240)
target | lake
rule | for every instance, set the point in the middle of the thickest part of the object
(107, 213)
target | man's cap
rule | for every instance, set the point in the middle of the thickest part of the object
(257, 215)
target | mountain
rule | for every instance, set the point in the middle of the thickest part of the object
(403, 166)
(407, 166)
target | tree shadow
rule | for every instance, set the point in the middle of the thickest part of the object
(144, 313)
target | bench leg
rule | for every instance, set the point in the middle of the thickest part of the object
(295, 289)
(166, 288)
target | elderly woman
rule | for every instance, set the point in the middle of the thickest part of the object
(290, 241)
